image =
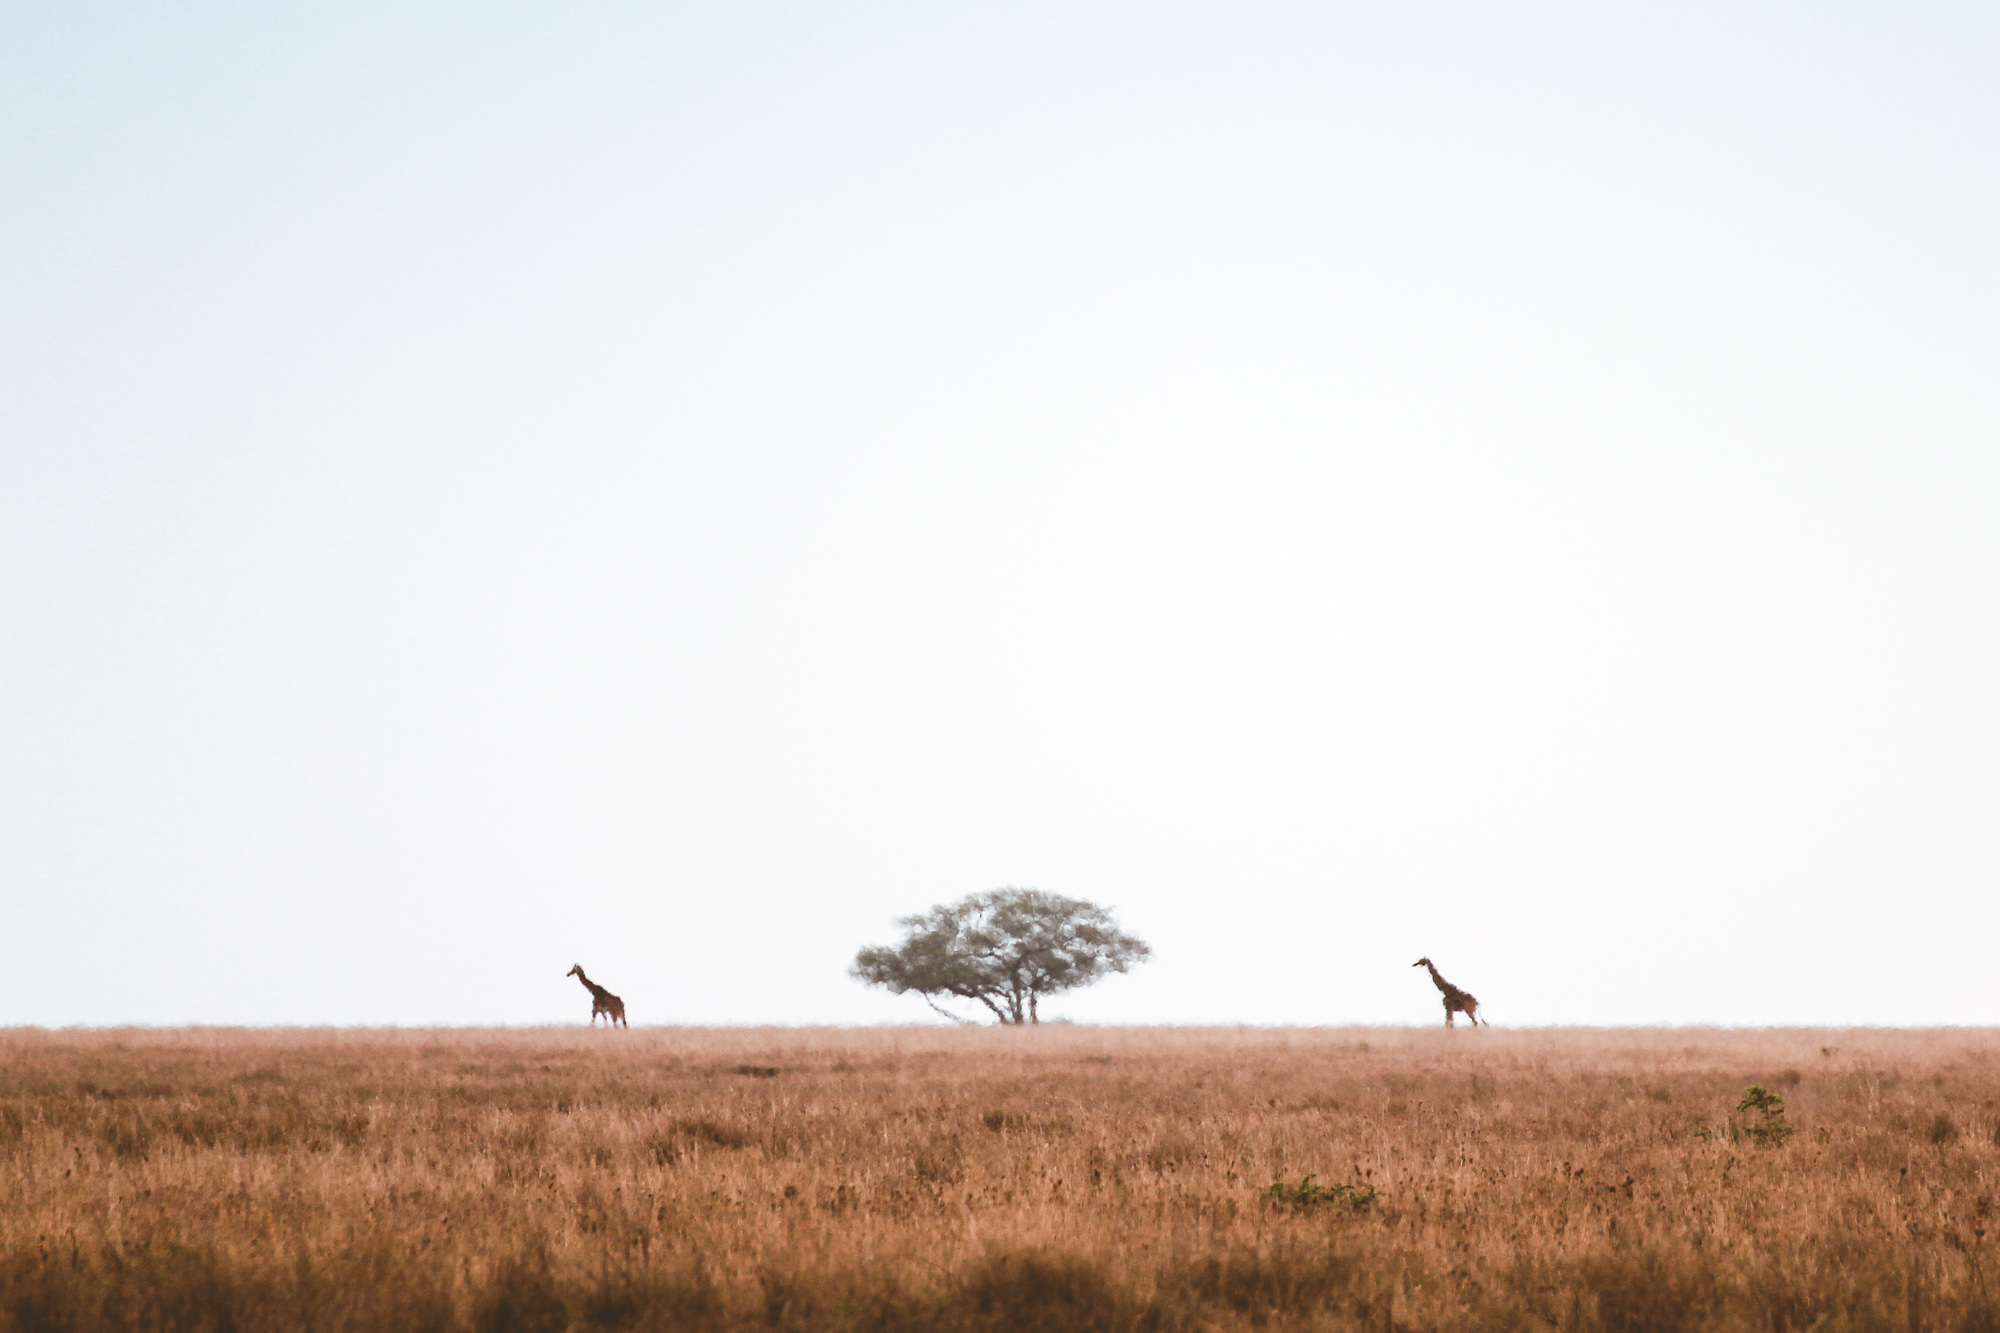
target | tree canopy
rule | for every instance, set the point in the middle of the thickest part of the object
(1005, 949)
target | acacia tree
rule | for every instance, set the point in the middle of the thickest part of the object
(1004, 948)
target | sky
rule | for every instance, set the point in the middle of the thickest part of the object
(677, 487)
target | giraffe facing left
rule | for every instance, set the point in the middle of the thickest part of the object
(602, 1001)
(1456, 1001)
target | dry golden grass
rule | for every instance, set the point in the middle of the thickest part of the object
(1050, 1179)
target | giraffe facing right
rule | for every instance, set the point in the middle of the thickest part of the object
(602, 1001)
(1456, 1001)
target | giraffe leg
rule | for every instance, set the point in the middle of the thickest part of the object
(1447, 1014)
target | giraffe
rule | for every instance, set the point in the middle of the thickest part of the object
(602, 1001)
(1456, 1001)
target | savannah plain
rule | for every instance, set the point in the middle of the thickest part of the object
(1050, 1178)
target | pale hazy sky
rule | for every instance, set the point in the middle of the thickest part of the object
(672, 488)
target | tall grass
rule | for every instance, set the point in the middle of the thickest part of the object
(1051, 1179)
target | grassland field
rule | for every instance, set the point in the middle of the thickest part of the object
(1053, 1178)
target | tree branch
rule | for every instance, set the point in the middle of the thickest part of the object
(946, 1012)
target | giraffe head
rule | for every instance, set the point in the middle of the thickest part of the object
(1421, 962)
(576, 970)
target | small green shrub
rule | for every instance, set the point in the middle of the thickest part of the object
(1756, 1098)
(1770, 1130)
(1309, 1194)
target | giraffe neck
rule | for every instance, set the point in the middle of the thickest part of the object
(1437, 980)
